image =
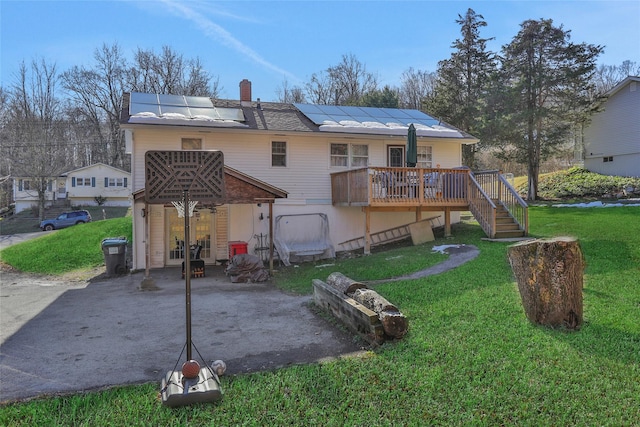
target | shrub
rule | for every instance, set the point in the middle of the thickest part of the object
(578, 182)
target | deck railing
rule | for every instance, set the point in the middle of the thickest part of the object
(498, 188)
(381, 186)
(431, 189)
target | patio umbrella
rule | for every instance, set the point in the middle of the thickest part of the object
(412, 147)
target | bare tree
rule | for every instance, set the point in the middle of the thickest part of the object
(96, 94)
(342, 84)
(169, 73)
(416, 86)
(608, 76)
(290, 95)
(34, 129)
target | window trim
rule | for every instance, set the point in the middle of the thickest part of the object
(284, 155)
(420, 164)
(350, 156)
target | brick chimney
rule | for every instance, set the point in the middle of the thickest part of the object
(245, 93)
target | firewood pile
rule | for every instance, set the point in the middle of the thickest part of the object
(245, 268)
(361, 309)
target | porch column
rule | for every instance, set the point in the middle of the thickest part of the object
(447, 222)
(271, 237)
(367, 231)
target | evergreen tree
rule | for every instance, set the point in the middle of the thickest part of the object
(462, 81)
(385, 98)
(548, 81)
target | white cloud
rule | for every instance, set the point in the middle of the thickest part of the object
(218, 33)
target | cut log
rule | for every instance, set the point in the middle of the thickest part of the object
(373, 300)
(394, 323)
(344, 284)
(549, 274)
(354, 315)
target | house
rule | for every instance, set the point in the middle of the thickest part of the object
(79, 187)
(310, 178)
(612, 139)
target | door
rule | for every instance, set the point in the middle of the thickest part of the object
(201, 227)
(395, 156)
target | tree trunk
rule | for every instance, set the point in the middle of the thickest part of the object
(344, 284)
(393, 322)
(373, 300)
(549, 275)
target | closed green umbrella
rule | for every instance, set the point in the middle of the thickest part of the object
(412, 147)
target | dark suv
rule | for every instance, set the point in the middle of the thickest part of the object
(66, 219)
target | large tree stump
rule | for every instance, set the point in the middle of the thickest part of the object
(344, 284)
(393, 322)
(550, 278)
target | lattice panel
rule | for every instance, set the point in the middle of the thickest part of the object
(170, 173)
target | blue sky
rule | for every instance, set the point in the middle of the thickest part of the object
(270, 41)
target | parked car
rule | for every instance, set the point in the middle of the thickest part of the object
(66, 219)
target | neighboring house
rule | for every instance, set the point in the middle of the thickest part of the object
(78, 187)
(288, 169)
(612, 139)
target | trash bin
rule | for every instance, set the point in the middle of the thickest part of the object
(115, 255)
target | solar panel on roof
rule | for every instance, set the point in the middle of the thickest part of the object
(188, 106)
(198, 101)
(144, 98)
(231, 114)
(319, 114)
(164, 99)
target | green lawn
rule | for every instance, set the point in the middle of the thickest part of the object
(69, 249)
(470, 357)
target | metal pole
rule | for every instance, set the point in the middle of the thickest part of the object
(186, 250)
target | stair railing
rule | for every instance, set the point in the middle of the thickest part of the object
(482, 207)
(498, 188)
(512, 201)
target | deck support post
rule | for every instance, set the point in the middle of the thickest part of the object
(447, 222)
(419, 213)
(367, 231)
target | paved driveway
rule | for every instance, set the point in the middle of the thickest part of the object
(59, 337)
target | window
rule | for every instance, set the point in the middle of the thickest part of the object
(83, 182)
(115, 182)
(278, 154)
(339, 154)
(359, 155)
(607, 159)
(355, 155)
(191, 143)
(425, 156)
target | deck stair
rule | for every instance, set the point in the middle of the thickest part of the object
(506, 225)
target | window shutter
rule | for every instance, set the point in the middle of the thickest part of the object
(106, 182)
(125, 182)
(73, 181)
(93, 181)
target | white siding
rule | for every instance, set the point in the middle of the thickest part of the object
(306, 178)
(85, 195)
(615, 132)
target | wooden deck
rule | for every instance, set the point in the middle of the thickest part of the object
(485, 194)
(401, 187)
